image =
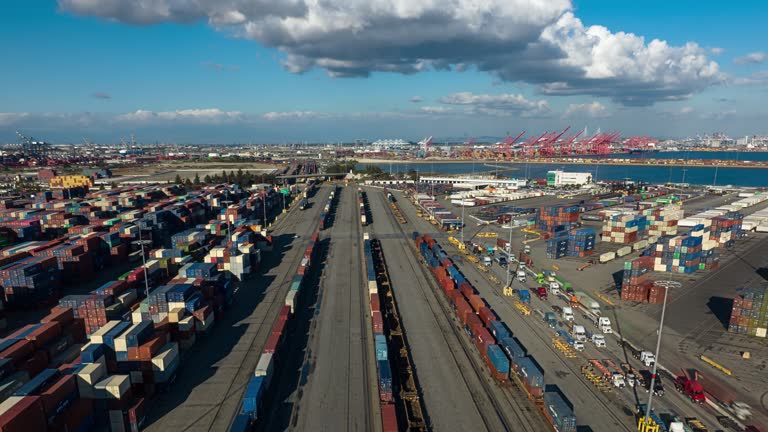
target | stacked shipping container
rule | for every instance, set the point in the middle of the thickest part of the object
(548, 218)
(749, 314)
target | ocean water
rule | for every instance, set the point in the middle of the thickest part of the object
(652, 174)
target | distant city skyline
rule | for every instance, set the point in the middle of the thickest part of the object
(225, 71)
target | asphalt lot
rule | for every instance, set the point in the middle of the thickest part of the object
(341, 390)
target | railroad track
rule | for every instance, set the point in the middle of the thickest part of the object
(234, 388)
(445, 311)
(365, 324)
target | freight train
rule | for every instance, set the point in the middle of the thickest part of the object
(362, 199)
(504, 355)
(258, 386)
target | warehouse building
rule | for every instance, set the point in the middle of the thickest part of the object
(561, 178)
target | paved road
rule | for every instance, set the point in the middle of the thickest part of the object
(338, 395)
(214, 373)
(453, 397)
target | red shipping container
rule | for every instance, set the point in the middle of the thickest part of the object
(58, 392)
(487, 315)
(18, 351)
(149, 349)
(477, 302)
(474, 323)
(463, 310)
(285, 312)
(26, 416)
(375, 306)
(466, 289)
(447, 285)
(378, 322)
(388, 418)
(279, 326)
(483, 338)
(136, 412)
(455, 295)
(61, 315)
(35, 363)
(272, 342)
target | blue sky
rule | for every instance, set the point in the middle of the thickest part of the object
(239, 71)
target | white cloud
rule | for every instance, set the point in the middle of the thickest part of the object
(534, 41)
(759, 78)
(208, 115)
(294, 115)
(717, 51)
(504, 104)
(9, 118)
(686, 110)
(594, 110)
(416, 99)
(436, 109)
(756, 57)
(719, 115)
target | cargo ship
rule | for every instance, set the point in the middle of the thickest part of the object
(644, 151)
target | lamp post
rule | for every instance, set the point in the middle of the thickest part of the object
(462, 223)
(509, 245)
(667, 286)
(141, 242)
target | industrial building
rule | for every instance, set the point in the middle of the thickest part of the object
(562, 178)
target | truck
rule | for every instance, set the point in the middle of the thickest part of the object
(487, 261)
(554, 287)
(695, 424)
(542, 293)
(550, 319)
(579, 333)
(646, 357)
(568, 313)
(577, 345)
(602, 323)
(617, 375)
(616, 379)
(658, 385)
(521, 275)
(527, 249)
(503, 245)
(502, 260)
(598, 340)
(690, 387)
(724, 396)
(303, 204)
(587, 302)
(524, 295)
(633, 376)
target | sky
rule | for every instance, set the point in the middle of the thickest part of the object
(261, 71)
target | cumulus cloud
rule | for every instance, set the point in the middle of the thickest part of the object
(416, 99)
(534, 41)
(594, 110)
(756, 57)
(208, 115)
(716, 51)
(219, 66)
(101, 95)
(504, 104)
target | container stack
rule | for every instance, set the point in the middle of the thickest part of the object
(635, 285)
(624, 228)
(559, 412)
(724, 230)
(30, 281)
(749, 315)
(581, 242)
(557, 246)
(680, 254)
(382, 356)
(662, 221)
(71, 181)
(548, 218)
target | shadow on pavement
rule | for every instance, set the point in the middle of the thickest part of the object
(721, 308)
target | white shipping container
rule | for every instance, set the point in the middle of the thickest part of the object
(640, 245)
(98, 335)
(290, 299)
(264, 368)
(187, 324)
(167, 354)
(372, 287)
(127, 298)
(608, 256)
(626, 250)
(762, 228)
(113, 387)
(9, 403)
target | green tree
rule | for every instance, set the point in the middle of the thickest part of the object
(207, 179)
(196, 181)
(178, 180)
(413, 174)
(188, 183)
(239, 177)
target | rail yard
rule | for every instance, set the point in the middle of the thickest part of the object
(338, 305)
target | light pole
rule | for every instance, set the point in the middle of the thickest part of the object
(684, 171)
(667, 286)
(509, 245)
(714, 182)
(144, 262)
(462, 222)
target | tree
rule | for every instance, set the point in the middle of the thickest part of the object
(207, 179)
(178, 180)
(188, 183)
(196, 181)
(113, 185)
(413, 174)
(231, 177)
(101, 186)
(223, 176)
